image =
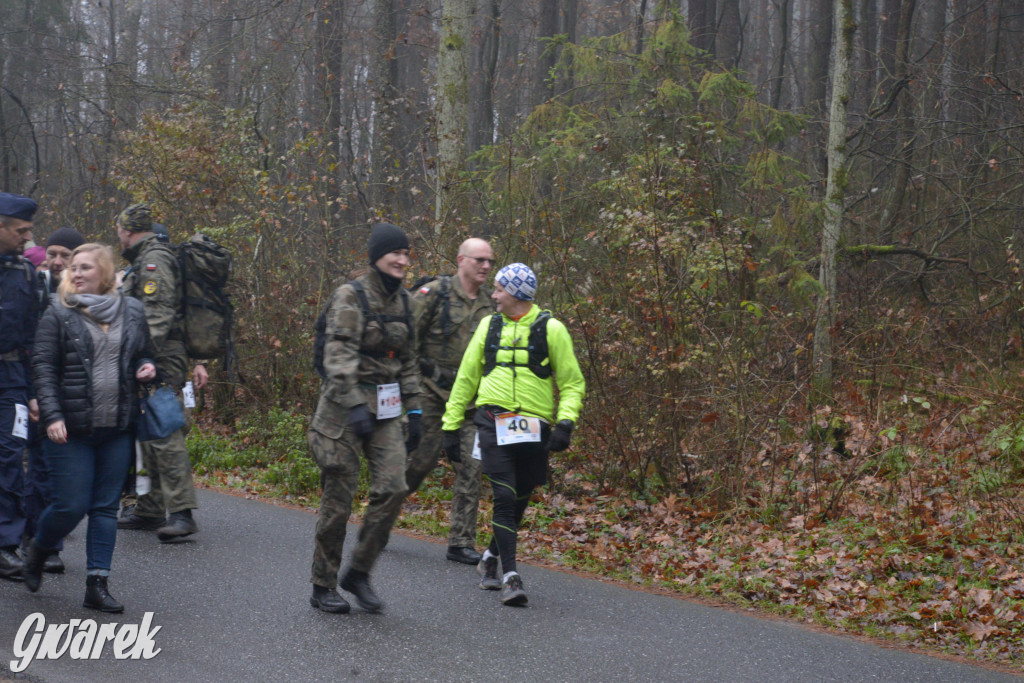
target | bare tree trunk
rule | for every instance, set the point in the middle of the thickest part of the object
(546, 53)
(383, 77)
(835, 194)
(820, 20)
(904, 147)
(221, 44)
(784, 8)
(641, 18)
(330, 75)
(729, 37)
(487, 65)
(570, 12)
(451, 206)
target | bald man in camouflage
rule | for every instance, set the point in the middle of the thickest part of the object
(447, 312)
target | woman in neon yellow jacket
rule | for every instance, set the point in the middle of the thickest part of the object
(511, 367)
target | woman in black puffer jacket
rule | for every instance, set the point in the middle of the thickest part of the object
(91, 348)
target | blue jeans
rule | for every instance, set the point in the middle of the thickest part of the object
(38, 493)
(86, 476)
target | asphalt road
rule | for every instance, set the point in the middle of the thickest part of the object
(233, 606)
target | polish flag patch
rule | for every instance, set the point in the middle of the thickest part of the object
(150, 266)
(424, 290)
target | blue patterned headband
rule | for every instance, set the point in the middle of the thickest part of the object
(518, 280)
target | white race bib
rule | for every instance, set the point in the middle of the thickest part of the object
(389, 401)
(189, 394)
(476, 446)
(512, 428)
(20, 429)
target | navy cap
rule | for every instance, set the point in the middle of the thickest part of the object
(17, 206)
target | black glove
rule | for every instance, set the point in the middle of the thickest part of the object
(560, 436)
(360, 419)
(451, 446)
(415, 432)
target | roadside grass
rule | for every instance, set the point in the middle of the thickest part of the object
(929, 564)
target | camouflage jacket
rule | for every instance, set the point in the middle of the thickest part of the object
(154, 280)
(360, 353)
(440, 356)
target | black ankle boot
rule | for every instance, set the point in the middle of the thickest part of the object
(98, 597)
(35, 559)
(358, 584)
(328, 600)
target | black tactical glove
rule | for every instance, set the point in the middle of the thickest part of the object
(451, 446)
(360, 419)
(560, 436)
(415, 432)
(428, 369)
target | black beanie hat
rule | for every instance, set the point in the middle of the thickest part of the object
(384, 239)
(69, 238)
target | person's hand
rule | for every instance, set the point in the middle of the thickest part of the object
(415, 432)
(451, 446)
(146, 372)
(56, 432)
(200, 376)
(560, 436)
(33, 410)
(360, 419)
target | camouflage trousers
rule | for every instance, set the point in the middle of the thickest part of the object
(170, 475)
(338, 460)
(466, 488)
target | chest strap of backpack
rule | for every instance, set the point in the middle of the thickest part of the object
(364, 304)
(536, 346)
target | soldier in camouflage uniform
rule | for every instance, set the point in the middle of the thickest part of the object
(371, 376)
(153, 279)
(447, 312)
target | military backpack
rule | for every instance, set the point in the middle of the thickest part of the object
(207, 313)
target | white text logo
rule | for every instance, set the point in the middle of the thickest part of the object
(81, 639)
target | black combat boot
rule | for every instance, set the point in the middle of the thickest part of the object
(179, 525)
(11, 566)
(328, 600)
(53, 563)
(461, 554)
(98, 597)
(35, 560)
(129, 520)
(358, 584)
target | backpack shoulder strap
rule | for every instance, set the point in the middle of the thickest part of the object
(537, 345)
(491, 343)
(364, 303)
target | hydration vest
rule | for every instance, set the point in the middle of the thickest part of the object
(536, 346)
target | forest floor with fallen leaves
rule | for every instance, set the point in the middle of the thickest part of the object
(908, 531)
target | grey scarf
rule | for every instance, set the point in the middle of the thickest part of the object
(102, 308)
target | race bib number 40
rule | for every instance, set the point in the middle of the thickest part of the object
(512, 428)
(389, 401)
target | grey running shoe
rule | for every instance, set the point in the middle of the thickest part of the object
(512, 592)
(488, 570)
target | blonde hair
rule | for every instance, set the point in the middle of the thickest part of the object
(105, 264)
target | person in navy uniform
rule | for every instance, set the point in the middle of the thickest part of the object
(19, 311)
